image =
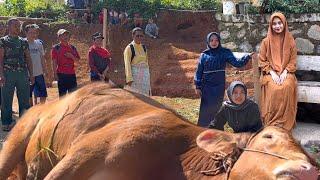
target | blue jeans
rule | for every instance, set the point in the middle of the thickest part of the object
(39, 87)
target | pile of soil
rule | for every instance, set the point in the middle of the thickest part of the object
(173, 57)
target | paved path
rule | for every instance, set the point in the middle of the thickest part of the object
(305, 132)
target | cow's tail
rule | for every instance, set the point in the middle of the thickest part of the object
(14, 148)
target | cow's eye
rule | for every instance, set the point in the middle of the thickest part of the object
(268, 136)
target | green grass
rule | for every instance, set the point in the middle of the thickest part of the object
(314, 149)
(188, 108)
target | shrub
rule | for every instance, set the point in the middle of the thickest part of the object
(293, 6)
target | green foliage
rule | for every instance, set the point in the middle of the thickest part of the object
(293, 6)
(150, 7)
(253, 9)
(146, 8)
(314, 149)
(32, 8)
(14, 7)
(193, 4)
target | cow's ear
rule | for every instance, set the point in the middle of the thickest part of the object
(212, 140)
(206, 136)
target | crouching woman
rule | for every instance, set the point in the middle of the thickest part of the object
(241, 113)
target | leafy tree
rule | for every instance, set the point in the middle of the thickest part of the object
(15, 7)
(147, 8)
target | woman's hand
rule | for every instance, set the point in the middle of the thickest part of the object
(275, 77)
(32, 79)
(283, 76)
(69, 55)
(253, 55)
(198, 92)
(2, 80)
(129, 83)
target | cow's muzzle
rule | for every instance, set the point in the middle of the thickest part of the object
(296, 170)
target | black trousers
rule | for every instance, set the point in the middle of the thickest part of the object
(66, 83)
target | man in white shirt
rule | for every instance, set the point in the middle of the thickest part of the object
(38, 64)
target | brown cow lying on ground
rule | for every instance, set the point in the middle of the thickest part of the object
(102, 133)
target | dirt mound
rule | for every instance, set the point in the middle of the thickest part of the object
(181, 54)
(173, 57)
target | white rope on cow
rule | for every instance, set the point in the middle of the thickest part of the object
(264, 152)
(227, 161)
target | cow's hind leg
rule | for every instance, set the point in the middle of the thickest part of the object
(80, 164)
(20, 171)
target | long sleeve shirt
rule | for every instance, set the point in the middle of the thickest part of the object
(140, 57)
(212, 61)
(265, 62)
(242, 120)
(98, 54)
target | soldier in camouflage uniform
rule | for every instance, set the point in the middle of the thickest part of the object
(15, 72)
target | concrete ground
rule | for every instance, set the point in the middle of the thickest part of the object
(305, 132)
(309, 136)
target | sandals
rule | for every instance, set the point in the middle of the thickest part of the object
(8, 128)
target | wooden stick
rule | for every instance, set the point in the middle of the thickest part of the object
(105, 25)
(256, 79)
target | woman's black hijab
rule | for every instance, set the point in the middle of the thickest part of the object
(233, 105)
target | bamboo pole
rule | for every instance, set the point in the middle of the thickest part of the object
(256, 79)
(105, 27)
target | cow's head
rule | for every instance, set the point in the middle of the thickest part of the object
(270, 154)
